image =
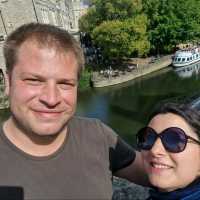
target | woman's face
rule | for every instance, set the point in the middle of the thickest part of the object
(170, 171)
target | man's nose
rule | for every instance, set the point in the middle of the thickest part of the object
(50, 95)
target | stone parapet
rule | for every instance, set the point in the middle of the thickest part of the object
(125, 190)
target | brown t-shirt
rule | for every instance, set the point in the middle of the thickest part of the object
(81, 169)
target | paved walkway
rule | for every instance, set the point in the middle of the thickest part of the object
(101, 79)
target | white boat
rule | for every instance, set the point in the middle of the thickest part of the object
(188, 70)
(186, 56)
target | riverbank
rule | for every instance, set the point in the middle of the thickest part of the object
(100, 80)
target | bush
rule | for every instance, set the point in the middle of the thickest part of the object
(84, 82)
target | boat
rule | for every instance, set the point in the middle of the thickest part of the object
(188, 70)
(186, 56)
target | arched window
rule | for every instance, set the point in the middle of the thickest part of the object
(2, 78)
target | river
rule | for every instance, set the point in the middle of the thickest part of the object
(126, 107)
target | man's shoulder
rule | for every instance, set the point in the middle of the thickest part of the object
(91, 126)
(84, 121)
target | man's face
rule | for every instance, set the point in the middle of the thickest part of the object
(43, 89)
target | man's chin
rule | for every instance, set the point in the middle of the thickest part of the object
(48, 129)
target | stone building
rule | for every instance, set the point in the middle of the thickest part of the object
(13, 13)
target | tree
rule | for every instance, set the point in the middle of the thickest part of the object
(119, 39)
(89, 21)
(108, 10)
(171, 22)
(117, 27)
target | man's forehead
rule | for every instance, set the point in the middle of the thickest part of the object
(34, 44)
(29, 46)
(43, 57)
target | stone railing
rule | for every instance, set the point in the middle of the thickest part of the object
(125, 190)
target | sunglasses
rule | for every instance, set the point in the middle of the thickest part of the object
(173, 139)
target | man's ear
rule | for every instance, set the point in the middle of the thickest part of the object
(7, 84)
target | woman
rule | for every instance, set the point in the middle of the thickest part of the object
(170, 148)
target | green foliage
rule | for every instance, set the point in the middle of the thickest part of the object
(116, 9)
(119, 39)
(84, 81)
(106, 10)
(171, 22)
(118, 27)
(89, 21)
(123, 28)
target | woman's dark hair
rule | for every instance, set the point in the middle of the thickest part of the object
(189, 114)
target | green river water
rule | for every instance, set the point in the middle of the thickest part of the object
(126, 107)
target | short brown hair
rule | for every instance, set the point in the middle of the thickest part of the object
(45, 35)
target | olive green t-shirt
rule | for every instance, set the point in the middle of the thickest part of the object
(80, 169)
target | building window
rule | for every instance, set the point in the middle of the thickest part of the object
(45, 16)
(2, 80)
(2, 38)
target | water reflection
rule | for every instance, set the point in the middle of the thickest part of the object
(126, 107)
(188, 71)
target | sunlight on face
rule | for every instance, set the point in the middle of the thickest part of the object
(43, 89)
(170, 171)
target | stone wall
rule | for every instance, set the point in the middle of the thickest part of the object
(125, 190)
(14, 13)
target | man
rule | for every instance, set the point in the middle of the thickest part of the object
(44, 148)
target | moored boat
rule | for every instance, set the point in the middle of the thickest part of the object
(186, 56)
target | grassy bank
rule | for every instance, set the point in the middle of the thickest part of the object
(84, 82)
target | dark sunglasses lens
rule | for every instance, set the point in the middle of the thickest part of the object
(146, 138)
(174, 140)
